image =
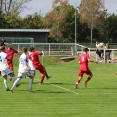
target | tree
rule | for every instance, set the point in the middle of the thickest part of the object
(13, 20)
(56, 18)
(33, 21)
(7, 6)
(90, 11)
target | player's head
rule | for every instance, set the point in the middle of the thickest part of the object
(33, 49)
(24, 49)
(85, 49)
(30, 49)
(2, 48)
(9, 45)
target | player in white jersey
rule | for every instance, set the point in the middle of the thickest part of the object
(24, 70)
(4, 68)
(30, 63)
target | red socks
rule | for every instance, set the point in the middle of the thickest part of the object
(87, 79)
(41, 80)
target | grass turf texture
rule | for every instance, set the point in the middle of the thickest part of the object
(57, 97)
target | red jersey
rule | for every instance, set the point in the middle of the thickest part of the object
(83, 59)
(34, 56)
(10, 53)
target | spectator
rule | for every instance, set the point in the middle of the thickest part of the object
(3, 41)
(98, 50)
(107, 52)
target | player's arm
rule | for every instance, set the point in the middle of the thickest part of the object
(15, 52)
(92, 61)
(25, 64)
(115, 59)
(39, 53)
(5, 59)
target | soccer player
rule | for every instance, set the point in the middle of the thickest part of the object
(83, 61)
(4, 68)
(10, 54)
(24, 70)
(34, 56)
(30, 63)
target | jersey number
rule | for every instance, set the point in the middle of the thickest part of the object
(82, 59)
(0, 59)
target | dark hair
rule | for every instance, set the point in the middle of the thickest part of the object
(31, 49)
(85, 49)
(1, 44)
(2, 48)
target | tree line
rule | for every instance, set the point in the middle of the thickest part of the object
(93, 22)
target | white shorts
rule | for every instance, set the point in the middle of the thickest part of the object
(6, 72)
(24, 74)
(31, 66)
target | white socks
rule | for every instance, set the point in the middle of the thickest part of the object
(5, 83)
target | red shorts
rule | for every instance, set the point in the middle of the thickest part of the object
(10, 63)
(41, 68)
(81, 73)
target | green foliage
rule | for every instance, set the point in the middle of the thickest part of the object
(61, 22)
(33, 21)
(13, 20)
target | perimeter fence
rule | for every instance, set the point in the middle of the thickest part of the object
(63, 49)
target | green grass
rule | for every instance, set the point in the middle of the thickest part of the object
(57, 97)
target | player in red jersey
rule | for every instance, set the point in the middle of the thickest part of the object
(34, 56)
(83, 61)
(10, 54)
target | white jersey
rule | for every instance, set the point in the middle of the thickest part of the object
(30, 63)
(23, 58)
(3, 64)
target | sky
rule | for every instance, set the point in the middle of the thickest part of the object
(44, 6)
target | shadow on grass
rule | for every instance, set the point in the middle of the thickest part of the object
(47, 83)
(44, 91)
(60, 84)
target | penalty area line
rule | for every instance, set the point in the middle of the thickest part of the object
(64, 88)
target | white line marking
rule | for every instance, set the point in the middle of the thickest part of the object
(61, 87)
(64, 88)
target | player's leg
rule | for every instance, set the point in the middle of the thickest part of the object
(33, 72)
(31, 76)
(90, 75)
(20, 76)
(42, 71)
(30, 84)
(79, 79)
(45, 72)
(4, 74)
(5, 83)
(14, 84)
(11, 68)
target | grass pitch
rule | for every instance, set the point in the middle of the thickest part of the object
(57, 96)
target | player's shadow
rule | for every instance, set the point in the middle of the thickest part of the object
(100, 88)
(44, 91)
(50, 91)
(60, 84)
